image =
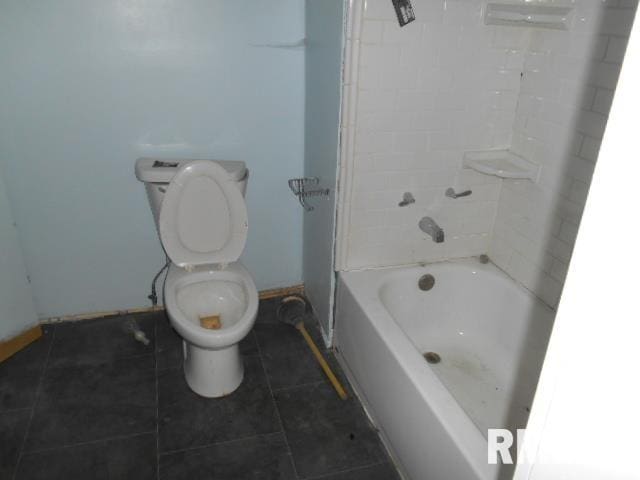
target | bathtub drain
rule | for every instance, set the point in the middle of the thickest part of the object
(432, 357)
(426, 282)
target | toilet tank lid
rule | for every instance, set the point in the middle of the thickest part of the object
(162, 170)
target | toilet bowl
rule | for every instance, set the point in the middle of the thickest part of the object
(201, 218)
(212, 363)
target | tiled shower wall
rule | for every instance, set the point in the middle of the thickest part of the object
(417, 97)
(566, 92)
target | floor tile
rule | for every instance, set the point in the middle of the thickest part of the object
(287, 358)
(20, 374)
(187, 420)
(383, 471)
(13, 426)
(264, 457)
(91, 342)
(169, 345)
(123, 458)
(98, 409)
(326, 434)
(84, 404)
(267, 310)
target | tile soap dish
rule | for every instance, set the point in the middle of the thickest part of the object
(502, 163)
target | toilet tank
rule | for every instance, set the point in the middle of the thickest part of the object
(156, 174)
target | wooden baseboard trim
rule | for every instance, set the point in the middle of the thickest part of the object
(263, 295)
(17, 343)
(92, 315)
(281, 292)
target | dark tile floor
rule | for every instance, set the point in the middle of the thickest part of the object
(89, 402)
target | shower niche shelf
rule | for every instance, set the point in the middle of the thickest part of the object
(528, 15)
(503, 164)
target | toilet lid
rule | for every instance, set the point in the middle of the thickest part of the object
(203, 216)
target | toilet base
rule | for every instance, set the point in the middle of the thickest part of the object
(213, 373)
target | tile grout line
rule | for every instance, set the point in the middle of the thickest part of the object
(275, 404)
(222, 442)
(13, 410)
(155, 356)
(90, 442)
(348, 470)
(102, 362)
(178, 367)
(35, 403)
(299, 385)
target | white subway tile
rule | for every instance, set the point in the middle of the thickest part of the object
(602, 101)
(410, 34)
(514, 38)
(579, 192)
(616, 22)
(371, 31)
(381, 57)
(549, 290)
(559, 270)
(616, 49)
(599, 47)
(429, 12)
(604, 75)
(373, 142)
(591, 123)
(628, 3)
(590, 148)
(568, 232)
(560, 249)
(376, 100)
(410, 142)
(448, 83)
(462, 14)
(580, 169)
(379, 9)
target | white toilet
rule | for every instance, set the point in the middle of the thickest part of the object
(201, 216)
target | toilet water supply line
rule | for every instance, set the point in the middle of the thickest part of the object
(132, 325)
(154, 296)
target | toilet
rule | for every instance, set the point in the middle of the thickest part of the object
(201, 217)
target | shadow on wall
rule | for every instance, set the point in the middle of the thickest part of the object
(567, 87)
(580, 124)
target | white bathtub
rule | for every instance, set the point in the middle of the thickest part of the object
(491, 335)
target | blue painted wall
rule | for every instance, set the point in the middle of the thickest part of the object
(324, 26)
(88, 86)
(17, 310)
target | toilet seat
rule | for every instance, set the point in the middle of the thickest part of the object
(208, 281)
(203, 216)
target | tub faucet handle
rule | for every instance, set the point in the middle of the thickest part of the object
(451, 193)
(407, 199)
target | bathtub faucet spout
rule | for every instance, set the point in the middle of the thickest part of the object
(429, 226)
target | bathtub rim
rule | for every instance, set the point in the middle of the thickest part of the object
(463, 432)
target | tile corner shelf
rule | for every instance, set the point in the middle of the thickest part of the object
(528, 15)
(501, 163)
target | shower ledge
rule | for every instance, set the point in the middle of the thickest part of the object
(501, 163)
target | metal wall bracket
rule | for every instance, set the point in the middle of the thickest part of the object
(300, 188)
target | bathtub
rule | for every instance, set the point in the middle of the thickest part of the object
(490, 335)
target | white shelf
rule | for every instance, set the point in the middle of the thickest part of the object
(528, 15)
(502, 163)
